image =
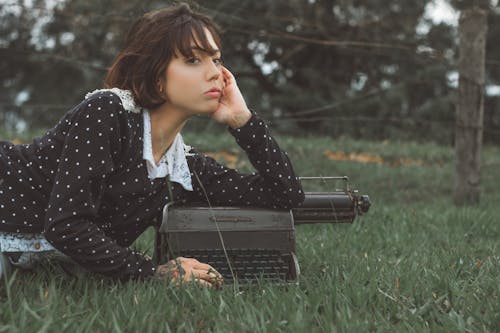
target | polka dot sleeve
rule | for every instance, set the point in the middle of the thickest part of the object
(274, 184)
(90, 153)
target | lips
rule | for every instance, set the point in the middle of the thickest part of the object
(213, 90)
(213, 93)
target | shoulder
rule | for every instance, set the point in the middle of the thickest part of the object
(103, 115)
(124, 98)
(99, 104)
(107, 106)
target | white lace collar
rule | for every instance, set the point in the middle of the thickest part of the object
(125, 95)
(173, 162)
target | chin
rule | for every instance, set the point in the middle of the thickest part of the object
(209, 109)
(205, 107)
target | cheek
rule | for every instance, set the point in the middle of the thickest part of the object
(180, 80)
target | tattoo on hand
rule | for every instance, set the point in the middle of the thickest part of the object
(180, 270)
(171, 270)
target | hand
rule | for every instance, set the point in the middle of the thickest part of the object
(188, 270)
(232, 110)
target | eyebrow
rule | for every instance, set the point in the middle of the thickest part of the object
(205, 51)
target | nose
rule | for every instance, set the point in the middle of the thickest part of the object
(213, 72)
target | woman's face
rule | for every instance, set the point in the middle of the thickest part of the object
(189, 79)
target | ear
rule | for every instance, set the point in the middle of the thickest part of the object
(162, 88)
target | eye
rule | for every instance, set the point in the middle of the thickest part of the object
(218, 61)
(193, 60)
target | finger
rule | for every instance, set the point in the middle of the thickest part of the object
(214, 277)
(207, 268)
(205, 275)
(225, 71)
(218, 284)
(217, 275)
(204, 283)
(198, 276)
(211, 276)
(227, 74)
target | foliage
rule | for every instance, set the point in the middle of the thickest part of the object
(413, 263)
(333, 67)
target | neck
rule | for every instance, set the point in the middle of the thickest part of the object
(166, 123)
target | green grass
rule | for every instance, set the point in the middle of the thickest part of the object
(414, 263)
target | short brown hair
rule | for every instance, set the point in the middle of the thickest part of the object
(153, 40)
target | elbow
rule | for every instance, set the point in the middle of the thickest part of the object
(55, 233)
(52, 235)
(297, 195)
(297, 199)
(301, 198)
(294, 198)
(49, 231)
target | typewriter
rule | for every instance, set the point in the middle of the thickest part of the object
(251, 244)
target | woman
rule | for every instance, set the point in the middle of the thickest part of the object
(103, 174)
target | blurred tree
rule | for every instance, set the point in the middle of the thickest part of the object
(345, 62)
(472, 28)
(491, 102)
(336, 67)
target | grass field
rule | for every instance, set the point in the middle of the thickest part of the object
(414, 263)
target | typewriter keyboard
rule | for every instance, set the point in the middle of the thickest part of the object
(248, 265)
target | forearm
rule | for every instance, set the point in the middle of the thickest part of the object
(274, 184)
(272, 164)
(88, 246)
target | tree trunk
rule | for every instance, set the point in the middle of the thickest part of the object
(469, 112)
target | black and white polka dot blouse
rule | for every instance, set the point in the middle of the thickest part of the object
(85, 184)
